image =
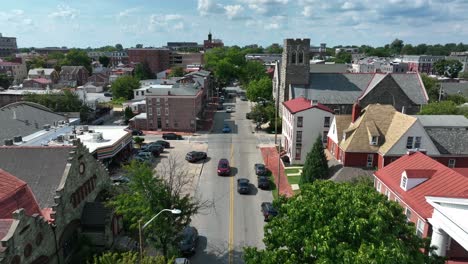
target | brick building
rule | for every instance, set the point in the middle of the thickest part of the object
(421, 63)
(212, 43)
(157, 58)
(8, 46)
(116, 57)
(73, 76)
(17, 71)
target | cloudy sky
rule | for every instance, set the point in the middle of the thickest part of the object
(83, 23)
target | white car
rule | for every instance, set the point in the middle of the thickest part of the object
(229, 109)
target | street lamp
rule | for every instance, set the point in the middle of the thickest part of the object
(140, 228)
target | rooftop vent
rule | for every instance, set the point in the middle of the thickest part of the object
(18, 139)
(46, 127)
(8, 142)
(84, 128)
(97, 137)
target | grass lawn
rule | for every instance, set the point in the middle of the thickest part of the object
(290, 171)
(294, 179)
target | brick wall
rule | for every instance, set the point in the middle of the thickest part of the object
(158, 59)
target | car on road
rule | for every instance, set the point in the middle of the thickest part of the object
(223, 167)
(229, 109)
(137, 132)
(243, 186)
(171, 136)
(194, 156)
(119, 179)
(163, 143)
(188, 240)
(107, 94)
(268, 211)
(226, 129)
(263, 182)
(260, 169)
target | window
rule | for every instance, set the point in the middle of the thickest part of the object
(167, 111)
(403, 182)
(158, 99)
(300, 57)
(326, 122)
(420, 228)
(167, 122)
(374, 141)
(409, 143)
(387, 193)
(324, 136)
(379, 186)
(370, 160)
(293, 57)
(299, 121)
(298, 151)
(451, 163)
(397, 200)
(298, 136)
(408, 214)
(336, 111)
(158, 111)
(150, 110)
(417, 142)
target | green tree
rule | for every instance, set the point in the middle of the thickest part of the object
(225, 72)
(343, 57)
(177, 71)
(104, 60)
(139, 140)
(458, 99)
(332, 222)
(123, 87)
(85, 114)
(143, 71)
(261, 88)
(128, 114)
(76, 57)
(5, 81)
(396, 46)
(252, 70)
(56, 56)
(440, 108)
(408, 49)
(139, 46)
(432, 87)
(65, 101)
(274, 48)
(128, 257)
(36, 62)
(119, 47)
(448, 68)
(316, 165)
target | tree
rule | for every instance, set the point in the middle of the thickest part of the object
(408, 49)
(65, 101)
(143, 71)
(439, 108)
(458, 99)
(432, 87)
(119, 47)
(343, 57)
(332, 222)
(177, 71)
(261, 88)
(396, 46)
(316, 164)
(274, 48)
(252, 70)
(5, 81)
(104, 60)
(123, 87)
(139, 46)
(76, 57)
(85, 114)
(138, 140)
(448, 68)
(128, 257)
(128, 114)
(149, 194)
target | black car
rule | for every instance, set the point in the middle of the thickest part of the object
(107, 94)
(188, 240)
(194, 156)
(137, 132)
(165, 144)
(260, 169)
(171, 136)
(243, 186)
(263, 182)
(153, 148)
(268, 211)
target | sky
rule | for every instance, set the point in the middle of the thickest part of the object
(96, 23)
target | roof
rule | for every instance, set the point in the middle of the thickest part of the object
(41, 81)
(47, 71)
(455, 88)
(71, 69)
(5, 225)
(94, 214)
(41, 168)
(449, 140)
(444, 182)
(301, 104)
(443, 120)
(15, 194)
(376, 120)
(24, 118)
(328, 68)
(342, 122)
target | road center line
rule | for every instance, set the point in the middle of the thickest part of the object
(231, 211)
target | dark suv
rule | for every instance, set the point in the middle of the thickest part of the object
(194, 156)
(223, 167)
(263, 182)
(153, 148)
(171, 136)
(268, 211)
(165, 144)
(260, 169)
(188, 240)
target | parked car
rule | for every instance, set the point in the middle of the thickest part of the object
(263, 182)
(147, 154)
(144, 156)
(107, 94)
(260, 169)
(194, 156)
(119, 179)
(226, 129)
(188, 240)
(268, 211)
(156, 150)
(223, 167)
(181, 261)
(137, 132)
(229, 109)
(243, 186)
(171, 136)
(248, 115)
(163, 143)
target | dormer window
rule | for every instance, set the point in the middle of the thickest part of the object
(344, 135)
(404, 182)
(374, 141)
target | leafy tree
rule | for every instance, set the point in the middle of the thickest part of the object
(274, 48)
(85, 114)
(432, 87)
(440, 108)
(316, 165)
(128, 114)
(261, 88)
(408, 49)
(332, 222)
(139, 46)
(343, 57)
(458, 99)
(149, 194)
(107, 48)
(128, 257)
(138, 140)
(143, 71)
(76, 57)
(56, 56)
(252, 70)
(448, 68)
(65, 101)
(225, 72)
(396, 46)
(104, 60)
(177, 71)
(123, 87)
(119, 47)
(5, 81)
(36, 62)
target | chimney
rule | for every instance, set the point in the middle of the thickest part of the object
(356, 112)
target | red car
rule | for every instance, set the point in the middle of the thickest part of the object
(223, 167)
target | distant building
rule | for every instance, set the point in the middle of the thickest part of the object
(264, 58)
(48, 50)
(421, 63)
(44, 73)
(8, 46)
(347, 50)
(73, 76)
(157, 58)
(183, 59)
(212, 43)
(461, 58)
(319, 51)
(116, 57)
(17, 71)
(383, 65)
(184, 46)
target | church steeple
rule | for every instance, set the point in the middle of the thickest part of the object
(209, 36)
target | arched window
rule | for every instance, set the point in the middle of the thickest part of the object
(293, 57)
(300, 57)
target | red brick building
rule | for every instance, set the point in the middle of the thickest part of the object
(157, 58)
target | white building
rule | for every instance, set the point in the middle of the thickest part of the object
(303, 122)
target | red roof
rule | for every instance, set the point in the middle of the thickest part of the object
(300, 104)
(15, 194)
(423, 173)
(42, 81)
(444, 182)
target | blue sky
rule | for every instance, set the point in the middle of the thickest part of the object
(83, 23)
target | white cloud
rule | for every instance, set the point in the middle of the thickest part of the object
(206, 7)
(164, 22)
(64, 12)
(233, 11)
(127, 12)
(307, 12)
(266, 7)
(272, 26)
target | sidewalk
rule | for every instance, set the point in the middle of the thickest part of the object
(270, 157)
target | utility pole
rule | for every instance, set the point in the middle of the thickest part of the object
(279, 169)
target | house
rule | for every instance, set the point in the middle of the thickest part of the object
(59, 195)
(99, 79)
(44, 73)
(38, 83)
(433, 197)
(303, 121)
(15, 70)
(73, 76)
(421, 63)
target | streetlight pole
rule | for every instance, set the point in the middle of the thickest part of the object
(141, 228)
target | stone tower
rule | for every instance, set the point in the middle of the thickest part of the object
(295, 66)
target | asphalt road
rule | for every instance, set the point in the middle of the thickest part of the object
(233, 221)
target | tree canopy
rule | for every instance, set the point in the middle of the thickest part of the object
(104, 60)
(143, 71)
(316, 164)
(76, 57)
(252, 70)
(343, 57)
(261, 88)
(440, 108)
(177, 71)
(330, 222)
(123, 87)
(118, 47)
(448, 68)
(5, 81)
(432, 87)
(128, 257)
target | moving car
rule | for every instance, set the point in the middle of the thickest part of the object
(263, 182)
(268, 211)
(229, 109)
(226, 129)
(260, 169)
(163, 143)
(194, 156)
(137, 132)
(188, 240)
(243, 186)
(171, 136)
(223, 167)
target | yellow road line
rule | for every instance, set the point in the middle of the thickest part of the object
(231, 211)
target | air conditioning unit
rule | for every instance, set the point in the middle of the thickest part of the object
(71, 137)
(46, 127)
(97, 137)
